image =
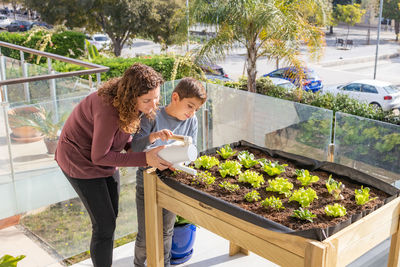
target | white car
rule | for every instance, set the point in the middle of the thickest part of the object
(282, 83)
(380, 94)
(100, 41)
(4, 21)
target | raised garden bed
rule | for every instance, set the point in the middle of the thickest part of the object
(282, 220)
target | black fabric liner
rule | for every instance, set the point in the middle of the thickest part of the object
(300, 162)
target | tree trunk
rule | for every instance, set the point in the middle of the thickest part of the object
(397, 29)
(117, 48)
(251, 68)
(330, 29)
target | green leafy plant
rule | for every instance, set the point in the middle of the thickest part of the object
(305, 178)
(247, 159)
(10, 261)
(229, 187)
(205, 178)
(206, 162)
(230, 167)
(179, 220)
(226, 152)
(252, 196)
(272, 202)
(362, 195)
(304, 214)
(334, 188)
(335, 210)
(251, 177)
(280, 185)
(272, 168)
(304, 196)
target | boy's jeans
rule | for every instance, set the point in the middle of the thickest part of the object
(168, 229)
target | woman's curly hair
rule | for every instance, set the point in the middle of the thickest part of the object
(122, 93)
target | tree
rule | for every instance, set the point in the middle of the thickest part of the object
(119, 19)
(169, 26)
(391, 10)
(272, 28)
(334, 5)
(349, 14)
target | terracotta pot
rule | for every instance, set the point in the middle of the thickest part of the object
(19, 133)
(51, 145)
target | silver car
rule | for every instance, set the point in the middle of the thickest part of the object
(380, 94)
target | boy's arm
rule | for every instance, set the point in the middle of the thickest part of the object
(141, 139)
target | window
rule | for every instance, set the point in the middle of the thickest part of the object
(391, 89)
(366, 88)
(353, 87)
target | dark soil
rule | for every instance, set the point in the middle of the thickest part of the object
(284, 217)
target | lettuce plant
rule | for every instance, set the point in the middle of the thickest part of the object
(272, 168)
(228, 186)
(230, 167)
(304, 197)
(305, 178)
(362, 196)
(226, 152)
(247, 159)
(336, 210)
(206, 162)
(204, 178)
(334, 188)
(272, 202)
(304, 214)
(280, 185)
(252, 196)
(251, 177)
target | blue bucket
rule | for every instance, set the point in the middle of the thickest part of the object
(182, 243)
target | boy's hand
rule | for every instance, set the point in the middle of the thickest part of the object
(153, 160)
(164, 135)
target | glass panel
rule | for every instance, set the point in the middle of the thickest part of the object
(230, 115)
(268, 122)
(368, 145)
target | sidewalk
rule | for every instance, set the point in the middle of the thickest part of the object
(15, 242)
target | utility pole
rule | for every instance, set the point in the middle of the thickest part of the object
(378, 37)
(187, 19)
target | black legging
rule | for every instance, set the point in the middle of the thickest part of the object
(100, 197)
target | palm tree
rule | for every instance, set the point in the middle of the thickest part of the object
(271, 28)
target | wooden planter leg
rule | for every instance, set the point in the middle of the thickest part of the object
(394, 249)
(154, 222)
(235, 249)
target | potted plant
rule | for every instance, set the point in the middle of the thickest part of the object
(21, 131)
(47, 126)
(182, 241)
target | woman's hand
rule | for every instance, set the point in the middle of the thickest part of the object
(164, 135)
(153, 160)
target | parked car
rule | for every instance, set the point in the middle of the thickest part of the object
(19, 26)
(310, 82)
(282, 83)
(214, 72)
(41, 24)
(100, 41)
(380, 94)
(4, 21)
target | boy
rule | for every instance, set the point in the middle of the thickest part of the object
(178, 117)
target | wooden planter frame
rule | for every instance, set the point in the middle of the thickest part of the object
(339, 249)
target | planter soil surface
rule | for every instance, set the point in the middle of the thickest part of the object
(284, 217)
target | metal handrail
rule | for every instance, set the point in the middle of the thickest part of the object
(93, 68)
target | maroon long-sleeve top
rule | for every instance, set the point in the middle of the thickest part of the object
(91, 141)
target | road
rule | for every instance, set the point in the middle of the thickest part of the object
(336, 66)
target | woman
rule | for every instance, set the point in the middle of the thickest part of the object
(88, 151)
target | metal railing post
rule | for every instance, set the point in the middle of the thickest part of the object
(331, 152)
(53, 92)
(24, 67)
(3, 76)
(98, 80)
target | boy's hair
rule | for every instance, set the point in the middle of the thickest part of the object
(189, 87)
